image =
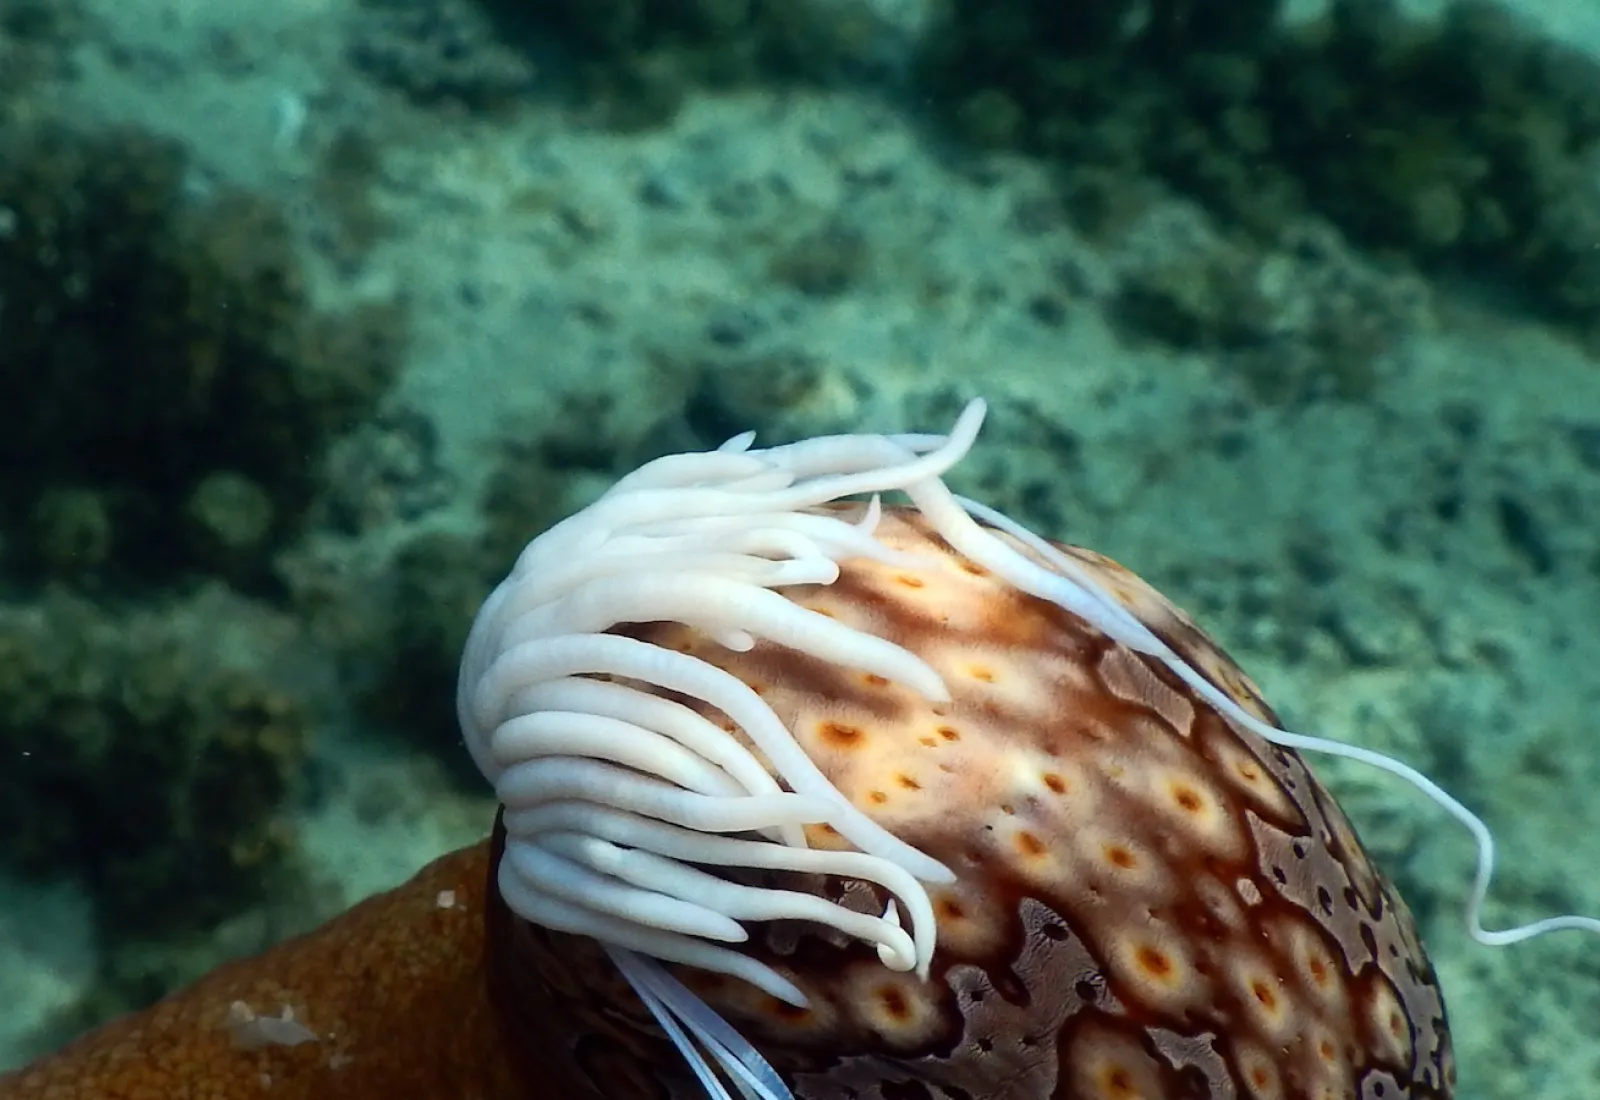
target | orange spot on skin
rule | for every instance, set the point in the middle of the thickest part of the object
(1187, 798)
(1320, 972)
(1118, 1082)
(974, 569)
(927, 742)
(841, 736)
(911, 582)
(1259, 1076)
(877, 797)
(825, 837)
(982, 673)
(1264, 995)
(1154, 962)
(1031, 845)
(951, 909)
(908, 783)
(949, 733)
(872, 679)
(894, 1003)
(1055, 783)
(1117, 854)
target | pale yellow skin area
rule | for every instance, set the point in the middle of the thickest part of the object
(1150, 902)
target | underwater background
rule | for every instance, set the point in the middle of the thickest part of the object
(313, 312)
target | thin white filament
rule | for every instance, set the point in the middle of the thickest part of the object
(1076, 591)
(564, 874)
(549, 733)
(676, 843)
(483, 708)
(533, 903)
(670, 1002)
(712, 900)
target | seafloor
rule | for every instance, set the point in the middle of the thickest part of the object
(1377, 489)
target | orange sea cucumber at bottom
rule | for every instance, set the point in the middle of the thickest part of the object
(387, 1000)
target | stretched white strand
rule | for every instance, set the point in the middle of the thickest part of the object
(650, 712)
(565, 878)
(549, 733)
(540, 907)
(678, 843)
(1072, 585)
(1126, 626)
(710, 604)
(614, 655)
(735, 568)
(534, 781)
(670, 1002)
(718, 899)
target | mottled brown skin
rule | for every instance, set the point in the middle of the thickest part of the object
(394, 989)
(1151, 902)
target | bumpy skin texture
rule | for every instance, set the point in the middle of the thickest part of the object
(1151, 903)
(394, 990)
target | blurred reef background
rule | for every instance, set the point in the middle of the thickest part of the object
(313, 312)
